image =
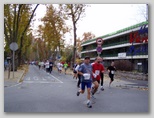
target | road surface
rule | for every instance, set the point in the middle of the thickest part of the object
(43, 92)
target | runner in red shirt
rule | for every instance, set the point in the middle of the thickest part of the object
(97, 68)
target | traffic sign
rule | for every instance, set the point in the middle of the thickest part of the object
(99, 50)
(13, 46)
(99, 41)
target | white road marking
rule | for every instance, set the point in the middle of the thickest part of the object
(27, 79)
(13, 85)
(43, 79)
(56, 78)
(52, 76)
(35, 78)
(38, 82)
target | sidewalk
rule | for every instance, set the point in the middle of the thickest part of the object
(126, 84)
(18, 76)
(120, 81)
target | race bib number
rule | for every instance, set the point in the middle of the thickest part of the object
(60, 68)
(97, 72)
(87, 76)
(112, 72)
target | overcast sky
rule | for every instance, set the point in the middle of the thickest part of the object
(102, 19)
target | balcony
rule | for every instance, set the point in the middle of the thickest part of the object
(93, 48)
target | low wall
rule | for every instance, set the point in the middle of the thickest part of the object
(131, 75)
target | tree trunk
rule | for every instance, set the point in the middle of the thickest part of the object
(74, 48)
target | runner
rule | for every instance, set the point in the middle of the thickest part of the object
(42, 64)
(47, 66)
(39, 64)
(102, 76)
(59, 66)
(111, 69)
(78, 75)
(85, 70)
(65, 67)
(50, 66)
(97, 68)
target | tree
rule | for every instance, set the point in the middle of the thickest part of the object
(52, 32)
(78, 47)
(24, 32)
(26, 49)
(142, 12)
(87, 36)
(74, 12)
(17, 19)
(67, 53)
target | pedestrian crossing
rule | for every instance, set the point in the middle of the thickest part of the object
(43, 79)
(36, 79)
(37, 76)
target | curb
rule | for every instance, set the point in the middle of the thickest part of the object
(17, 82)
(137, 87)
(20, 80)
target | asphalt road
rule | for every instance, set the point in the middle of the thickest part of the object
(43, 92)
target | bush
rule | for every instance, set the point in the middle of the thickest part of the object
(123, 65)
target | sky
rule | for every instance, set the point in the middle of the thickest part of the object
(102, 19)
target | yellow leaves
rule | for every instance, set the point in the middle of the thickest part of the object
(87, 36)
(54, 26)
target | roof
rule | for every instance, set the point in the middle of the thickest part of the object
(119, 31)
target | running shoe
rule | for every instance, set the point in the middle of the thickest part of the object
(93, 97)
(89, 105)
(78, 93)
(102, 88)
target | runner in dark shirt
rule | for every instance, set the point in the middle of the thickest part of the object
(111, 69)
(50, 66)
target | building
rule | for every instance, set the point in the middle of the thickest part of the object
(130, 43)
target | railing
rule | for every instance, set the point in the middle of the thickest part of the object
(129, 54)
(109, 55)
(106, 45)
(119, 31)
(114, 44)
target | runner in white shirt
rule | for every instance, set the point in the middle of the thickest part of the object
(47, 66)
(59, 66)
(42, 65)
